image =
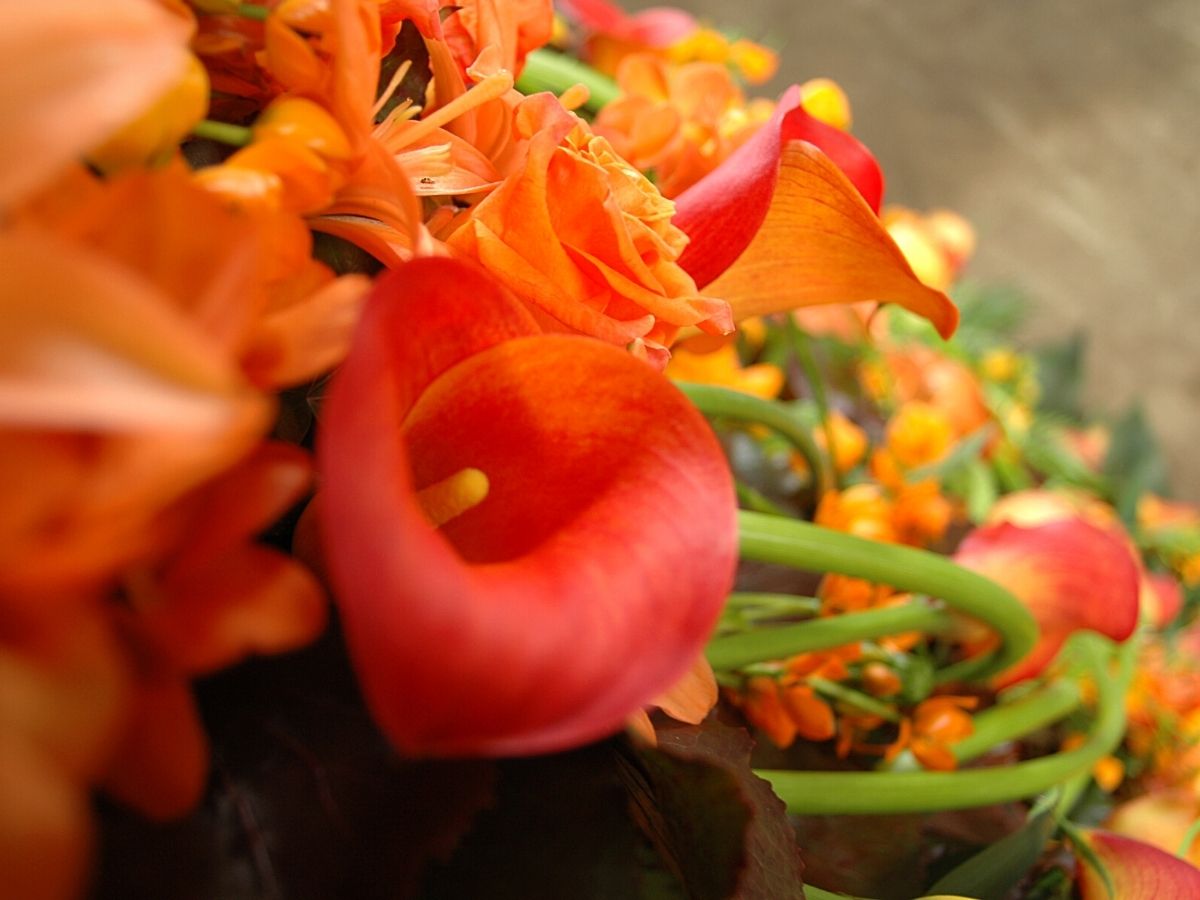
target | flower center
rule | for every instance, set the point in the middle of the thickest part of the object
(449, 498)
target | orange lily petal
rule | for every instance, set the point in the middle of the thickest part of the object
(693, 696)
(821, 243)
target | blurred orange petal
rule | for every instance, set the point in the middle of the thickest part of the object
(79, 71)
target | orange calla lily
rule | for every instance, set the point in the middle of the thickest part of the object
(1138, 871)
(594, 502)
(789, 220)
(1069, 573)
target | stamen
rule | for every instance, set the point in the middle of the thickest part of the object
(489, 88)
(391, 88)
(451, 497)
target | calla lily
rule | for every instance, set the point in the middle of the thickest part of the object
(1069, 573)
(1138, 871)
(790, 220)
(588, 536)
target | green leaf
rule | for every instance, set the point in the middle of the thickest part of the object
(979, 489)
(993, 872)
(1060, 376)
(1134, 463)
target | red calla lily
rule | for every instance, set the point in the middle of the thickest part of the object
(1071, 575)
(790, 220)
(587, 581)
(1138, 871)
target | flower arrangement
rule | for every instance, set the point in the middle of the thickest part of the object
(475, 450)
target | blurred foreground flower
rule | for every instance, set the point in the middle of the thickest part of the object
(556, 598)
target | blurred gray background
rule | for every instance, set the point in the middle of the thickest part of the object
(1067, 131)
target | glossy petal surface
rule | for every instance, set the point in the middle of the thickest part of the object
(587, 581)
(1069, 573)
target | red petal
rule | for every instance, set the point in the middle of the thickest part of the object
(1069, 573)
(723, 211)
(1138, 871)
(588, 580)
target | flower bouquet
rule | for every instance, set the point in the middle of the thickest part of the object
(476, 450)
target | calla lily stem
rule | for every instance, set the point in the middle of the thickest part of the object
(547, 70)
(223, 132)
(740, 650)
(876, 793)
(803, 545)
(722, 403)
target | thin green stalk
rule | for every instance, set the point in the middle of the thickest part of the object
(739, 650)
(252, 11)
(719, 402)
(1010, 721)
(548, 70)
(750, 498)
(802, 350)
(877, 793)
(806, 546)
(850, 697)
(223, 132)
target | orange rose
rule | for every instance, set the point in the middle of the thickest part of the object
(585, 241)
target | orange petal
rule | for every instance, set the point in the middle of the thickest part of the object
(821, 243)
(692, 697)
(84, 69)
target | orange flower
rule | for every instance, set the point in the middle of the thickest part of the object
(722, 367)
(680, 121)
(919, 434)
(849, 441)
(86, 69)
(585, 240)
(861, 509)
(937, 245)
(920, 513)
(512, 27)
(936, 724)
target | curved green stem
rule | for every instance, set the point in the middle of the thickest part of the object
(547, 70)
(723, 403)
(875, 793)
(739, 650)
(803, 545)
(223, 132)
(1010, 721)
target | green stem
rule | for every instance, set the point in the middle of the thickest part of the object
(739, 650)
(850, 697)
(878, 793)
(802, 350)
(253, 11)
(803, 545)
(750, 498)
(1010, 721)
(547, 70)
(223, 132)
(719, 402)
